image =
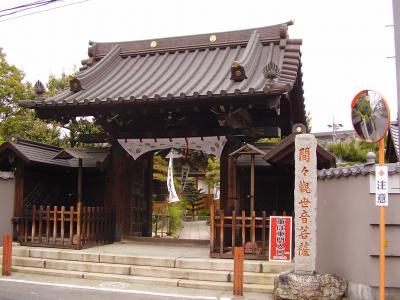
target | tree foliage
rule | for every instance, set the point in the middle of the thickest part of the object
(77, 126)
(12, 89)
(55, 85)
(353, 152)
(212, 171)
(16, 120)
(26, 125)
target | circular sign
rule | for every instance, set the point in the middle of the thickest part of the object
(370, 116)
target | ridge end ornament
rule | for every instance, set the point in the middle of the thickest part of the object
(271, 71)
(238, 73)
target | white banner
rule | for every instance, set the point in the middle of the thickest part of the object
(381, 186)
(173, 197)
(209, 144)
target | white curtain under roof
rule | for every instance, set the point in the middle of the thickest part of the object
(209, 144)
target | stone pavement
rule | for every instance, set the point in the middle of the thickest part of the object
(195, 230)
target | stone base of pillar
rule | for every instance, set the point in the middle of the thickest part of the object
(302, 286)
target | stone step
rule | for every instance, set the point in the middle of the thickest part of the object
(257, 266)
(227, 286)
(145, 271)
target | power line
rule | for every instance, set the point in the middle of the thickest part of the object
(44, 10)
(26, 5)
(16, 10)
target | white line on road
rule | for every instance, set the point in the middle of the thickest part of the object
(113, 290)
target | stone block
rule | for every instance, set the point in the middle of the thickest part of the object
(28, 262)
(44, 253)
(277, 267)
(20, 251)
(258, 278)
(297, 286)
(137, 260)
(131, 279)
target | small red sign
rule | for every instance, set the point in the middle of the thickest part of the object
(280, 238)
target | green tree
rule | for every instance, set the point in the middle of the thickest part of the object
(353, 152)
(212, 171)
(15, 120)
(77, 127)
(25, 124)
(12, 89)
(55, 85)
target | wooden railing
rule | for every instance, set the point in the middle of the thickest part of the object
(250, 231)
(67, 228)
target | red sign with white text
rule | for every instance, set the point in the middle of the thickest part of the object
(280, 239)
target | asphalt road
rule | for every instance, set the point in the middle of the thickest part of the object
(14, 290)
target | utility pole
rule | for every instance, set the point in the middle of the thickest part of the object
(396, 24)
(335, 127)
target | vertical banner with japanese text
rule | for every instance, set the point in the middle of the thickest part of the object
(305, 201)
(381, 186)
(280, 238)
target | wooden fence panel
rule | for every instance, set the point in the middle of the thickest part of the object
(253, 232)
(73, 228)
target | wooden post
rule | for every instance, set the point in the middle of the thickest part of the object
(48, 224)
(253, 231)
(252, 184)
(80, 180)
(33, 231)
(40, 223)
(238, 265)
(243, 228)
(212, 227)
(381, 159)
(71, 225)
(62, 224)
(55, 224)
(233, 229)
(7, 255)
(264, 216)
(78, 224)
(221, 232)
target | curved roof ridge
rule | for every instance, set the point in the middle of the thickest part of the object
(98, 50)
(85, 78)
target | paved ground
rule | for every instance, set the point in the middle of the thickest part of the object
(21, 286)
(172, 248)
(195, 230)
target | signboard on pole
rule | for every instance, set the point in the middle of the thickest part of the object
(381, 186)
(280, 239)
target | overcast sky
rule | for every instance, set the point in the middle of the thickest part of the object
(345, 42)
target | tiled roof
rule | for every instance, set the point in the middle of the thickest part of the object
(185, 68)
(394, 131)
(355, 170)
(33, 152)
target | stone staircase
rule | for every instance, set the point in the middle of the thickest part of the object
(202, 273)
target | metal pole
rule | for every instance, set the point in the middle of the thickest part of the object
(396, 29)
(381, 158)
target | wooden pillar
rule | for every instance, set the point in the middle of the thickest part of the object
(7, 255)
(232, 182)
(80, 180)
(148, 194)
(226, 171)
(238, 266)
(252, 184)
(18, 199)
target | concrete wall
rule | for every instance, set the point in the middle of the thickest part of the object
(348, 231)
(7, 190)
